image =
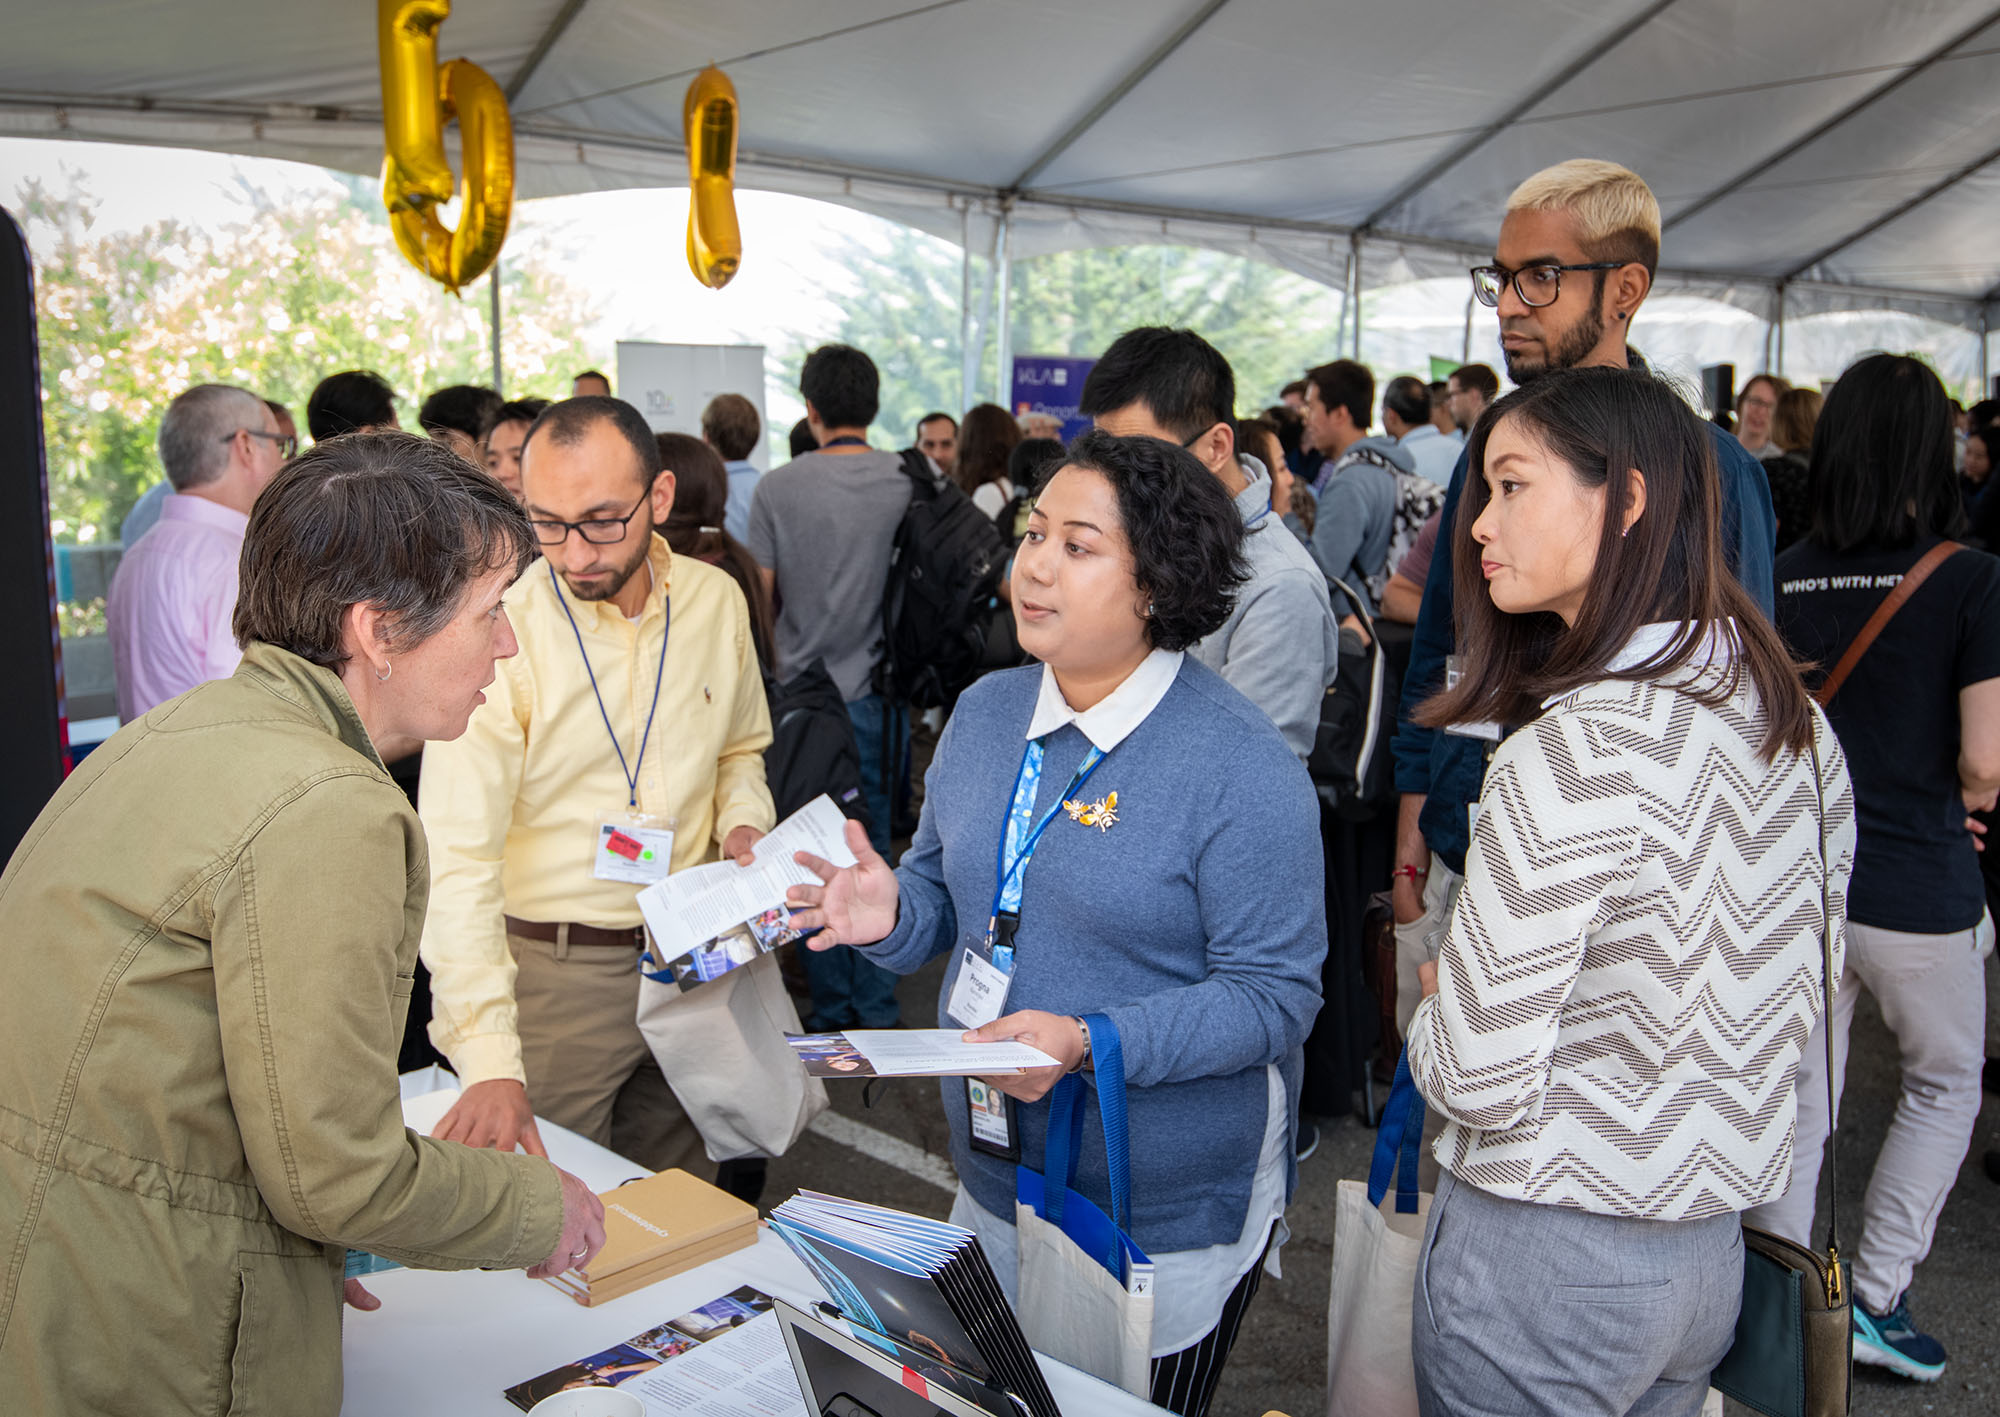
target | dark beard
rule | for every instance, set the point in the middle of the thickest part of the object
(630, 569)
(1571, 350)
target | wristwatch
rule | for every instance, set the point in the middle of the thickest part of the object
(1084, 1061)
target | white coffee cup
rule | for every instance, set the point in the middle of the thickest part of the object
(590, 1402)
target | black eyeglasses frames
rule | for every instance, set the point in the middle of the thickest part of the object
(598, 531)
(288, 444)
(1537, 285)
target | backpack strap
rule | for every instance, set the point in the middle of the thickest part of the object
(1884, 613)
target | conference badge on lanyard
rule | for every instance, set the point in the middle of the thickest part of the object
(634, 847)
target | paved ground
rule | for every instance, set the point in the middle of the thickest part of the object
(895, 1153)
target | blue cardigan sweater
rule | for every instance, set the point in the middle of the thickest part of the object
(1197, 923)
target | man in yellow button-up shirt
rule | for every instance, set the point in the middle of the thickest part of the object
(533, 955)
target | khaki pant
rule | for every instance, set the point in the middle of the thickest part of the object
(588, 1066)
(1932, 991)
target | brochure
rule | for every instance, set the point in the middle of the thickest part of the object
(724, 1359)
(692, 908)
(720, 955)
(910, 1052)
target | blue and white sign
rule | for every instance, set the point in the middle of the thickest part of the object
(1051, 384)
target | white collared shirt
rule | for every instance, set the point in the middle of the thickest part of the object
(1717, 651)
(1109, 721)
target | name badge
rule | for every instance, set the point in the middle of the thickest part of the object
(992, 1124)
(1454, 668)
(980, 993)
(634, 847)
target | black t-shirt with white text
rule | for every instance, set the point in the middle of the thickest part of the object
(1915, 867)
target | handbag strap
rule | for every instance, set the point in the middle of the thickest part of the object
(1884, 613)
(1833, 1283)
(1398, 1138)
(1065, 1136)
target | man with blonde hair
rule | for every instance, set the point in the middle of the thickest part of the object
(1575, 259)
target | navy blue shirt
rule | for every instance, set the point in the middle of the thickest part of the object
(1448, 768)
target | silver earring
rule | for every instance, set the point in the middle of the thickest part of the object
(387, 670)
(1149, 610)
(1625, 533)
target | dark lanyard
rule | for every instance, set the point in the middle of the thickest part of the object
(1004, 870)
(845, 440)
(631, 772)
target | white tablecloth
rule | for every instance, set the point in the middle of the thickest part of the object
(447, 1343)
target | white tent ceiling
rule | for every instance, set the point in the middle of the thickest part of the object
(1845, 148)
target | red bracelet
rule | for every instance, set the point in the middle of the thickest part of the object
(1415, 873)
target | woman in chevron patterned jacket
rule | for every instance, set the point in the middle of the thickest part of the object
(1614, 1024)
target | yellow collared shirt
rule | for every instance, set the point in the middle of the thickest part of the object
(511, 808)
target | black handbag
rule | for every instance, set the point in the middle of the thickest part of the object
(1793, 1355)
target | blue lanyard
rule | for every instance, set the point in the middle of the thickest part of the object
(1252, 524)
(1022, 839)
(845, 440)
(631, 772)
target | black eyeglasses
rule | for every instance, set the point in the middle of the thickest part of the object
(1536, 285)
(288, 444)
(600, 531)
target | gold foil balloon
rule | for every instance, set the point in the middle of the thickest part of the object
(418, 100)
(708, 118)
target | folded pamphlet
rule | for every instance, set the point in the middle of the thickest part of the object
(726, 1357)
(910, 1052)
(691, 908)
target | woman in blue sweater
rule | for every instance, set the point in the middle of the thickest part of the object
(1176, 889)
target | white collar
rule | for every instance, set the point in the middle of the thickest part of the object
(1111, 720)
(1716, 652)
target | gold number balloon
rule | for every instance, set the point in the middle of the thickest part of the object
(708, 117)
(418, 99)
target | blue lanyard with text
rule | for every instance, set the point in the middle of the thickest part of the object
(1018, 842)
(632, 771)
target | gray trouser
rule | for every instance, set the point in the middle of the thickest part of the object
(1932, 989)
(1525, 1309)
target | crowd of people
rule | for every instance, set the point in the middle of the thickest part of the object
(1670, 750)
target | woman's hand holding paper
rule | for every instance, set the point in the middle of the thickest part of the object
(1057, 1035)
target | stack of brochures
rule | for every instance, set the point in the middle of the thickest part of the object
(658, 1227)
(919, 1290)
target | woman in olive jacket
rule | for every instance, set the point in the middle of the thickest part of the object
(208, 939)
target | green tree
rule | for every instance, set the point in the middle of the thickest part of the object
(275, 303)
(901, 304)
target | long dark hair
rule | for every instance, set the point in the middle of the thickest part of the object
(694, 527)
(1882, 471)
(1669, 568)
(985, 439)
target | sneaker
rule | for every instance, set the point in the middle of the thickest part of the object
(1307, 1142)
(1892, 1341)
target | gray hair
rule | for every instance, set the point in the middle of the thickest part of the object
(196, 428)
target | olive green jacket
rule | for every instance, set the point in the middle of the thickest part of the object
(207, 942)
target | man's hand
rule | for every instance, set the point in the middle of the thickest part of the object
(582, 1230)
(856, 905)
(357, 1297)
(1058, 1035)
(496, 1114)
(736, 846)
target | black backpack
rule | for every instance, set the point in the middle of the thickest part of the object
(944, 570)
(1350, 762)
(812, 745)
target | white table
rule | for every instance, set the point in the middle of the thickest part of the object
(448, 1343)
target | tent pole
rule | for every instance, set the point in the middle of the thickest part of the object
(968, 357)
(493, 293)
(1777, 360)
(1354, 287)
(1465, 353)
(1004, 274)
(1985, 376)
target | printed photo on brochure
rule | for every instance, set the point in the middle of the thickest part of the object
(644, 1353)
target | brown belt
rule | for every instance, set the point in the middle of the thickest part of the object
(567, 934)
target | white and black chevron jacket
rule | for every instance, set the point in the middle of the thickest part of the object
(1635, 960)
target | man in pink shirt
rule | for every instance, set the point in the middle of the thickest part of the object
(173, 597)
